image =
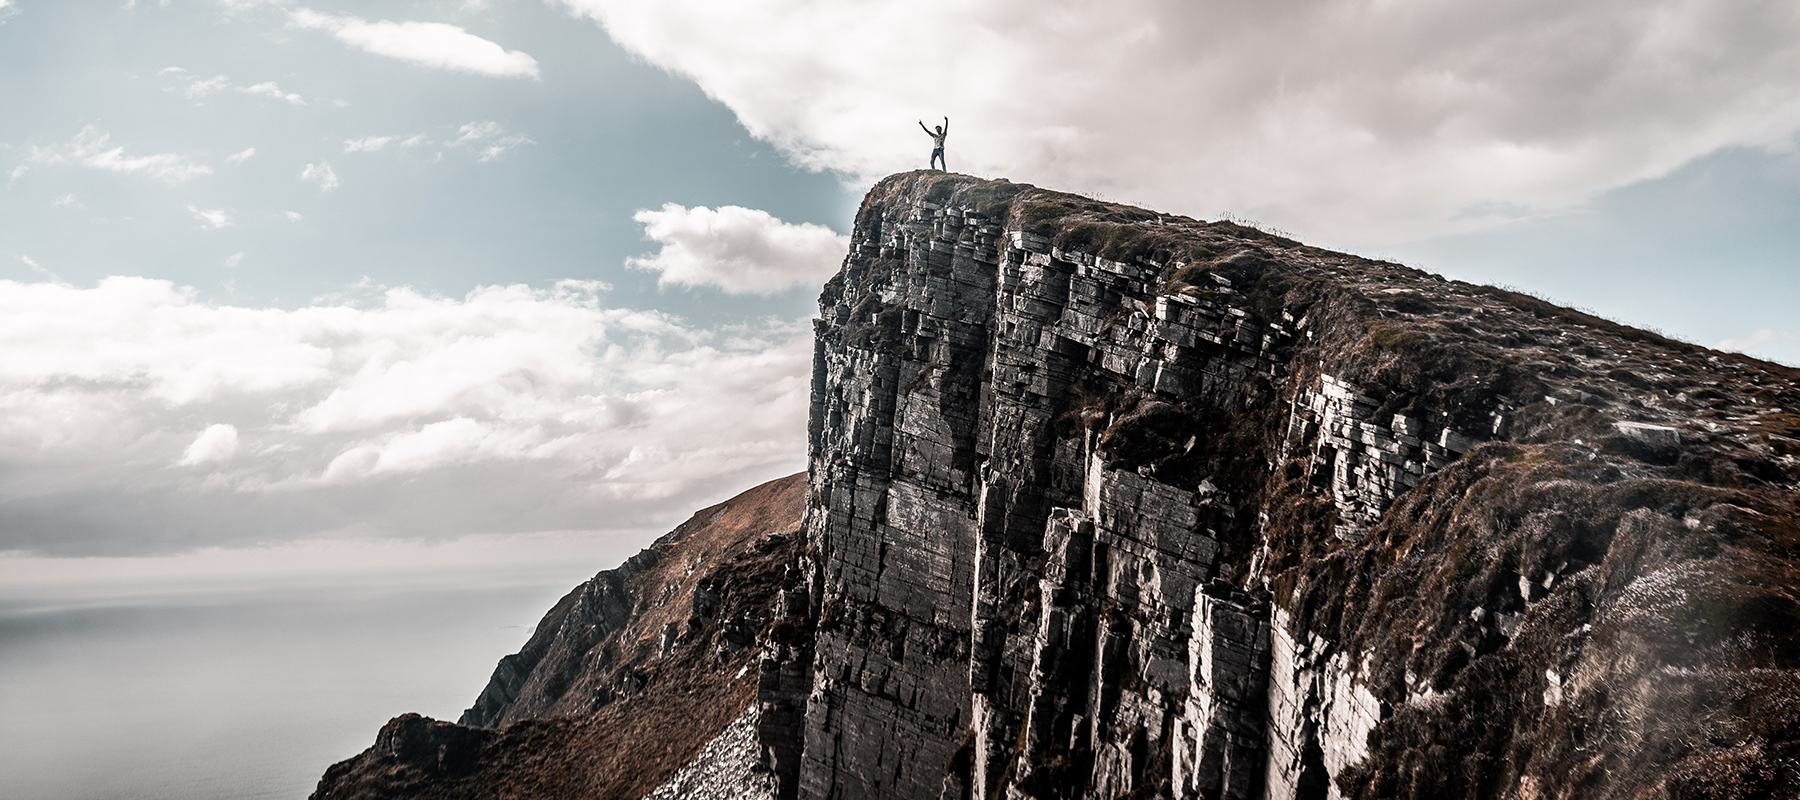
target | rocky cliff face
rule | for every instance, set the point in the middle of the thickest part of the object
(1106, 503)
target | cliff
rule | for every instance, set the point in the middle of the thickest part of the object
(1107, 503)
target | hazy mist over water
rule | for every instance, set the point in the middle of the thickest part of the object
(238, 692)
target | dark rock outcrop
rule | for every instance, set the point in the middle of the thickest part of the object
(1106, 503)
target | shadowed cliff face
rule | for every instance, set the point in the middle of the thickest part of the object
(1105, 503)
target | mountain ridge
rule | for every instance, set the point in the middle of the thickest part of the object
(1104, 502)
(610, 697)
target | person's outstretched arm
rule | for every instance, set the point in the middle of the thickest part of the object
(925, 129)
(946, 126)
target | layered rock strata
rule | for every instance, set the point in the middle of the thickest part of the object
(1110, 503)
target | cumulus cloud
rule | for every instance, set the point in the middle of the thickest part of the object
(234, 259)
(240, 156)
(439, 444)
(1363, 121)
(741, 250)
(430, 44)
(216, 443)
(90, 148)
(7, 9)
(271, 89)
(212, 218)
(321, 174)
(488, 139)
(393, 414)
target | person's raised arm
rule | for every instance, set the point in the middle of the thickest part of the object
(925, 129)
(946, 126)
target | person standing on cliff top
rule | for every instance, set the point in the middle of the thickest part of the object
(937, 143)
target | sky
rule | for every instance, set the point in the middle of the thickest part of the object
(294, 285)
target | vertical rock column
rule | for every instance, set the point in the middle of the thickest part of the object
(892, 451)
(1226, 715)
(1320, 714)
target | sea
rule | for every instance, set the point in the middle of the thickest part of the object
(227, 690)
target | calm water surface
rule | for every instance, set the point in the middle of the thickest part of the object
(241, 694)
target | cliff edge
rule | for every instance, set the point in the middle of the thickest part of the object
(1109, 503)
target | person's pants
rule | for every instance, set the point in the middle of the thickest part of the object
(937, 159)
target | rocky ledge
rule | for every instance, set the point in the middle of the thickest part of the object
(1109, 503)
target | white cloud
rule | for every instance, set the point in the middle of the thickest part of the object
(89, 149)
(213, 218)
(271, 89)
(235, 6)
(439, 444)
(1360, 121)
(508, 410)
(216, 443)
(240, 156)
(741, 250)
(321, 174)
(1755, 340)
(199, 88)
(234, 259)
(367, 144)
(476, 131)
(488, 139)
(430, 44)
(7, 9)
(66, 201)
(293, 216)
